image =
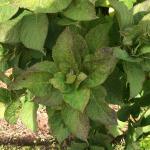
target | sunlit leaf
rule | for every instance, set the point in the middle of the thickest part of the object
(10, 30)
(124, 15)
(28, 115)
(6, 10)
(140, 10)
(34, 30)
(46, 6)
(128, 3)
(81, 10)
(2, 112)
(77, 99)
(145, 49)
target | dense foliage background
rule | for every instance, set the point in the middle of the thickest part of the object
(76, 57)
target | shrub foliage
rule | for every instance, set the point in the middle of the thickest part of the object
(76, 57)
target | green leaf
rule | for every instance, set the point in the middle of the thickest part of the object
(77, 146)
(3, 60)
(141, 9)
(58, 128)
(77, 98)
(80, 78)
(5, 96)
(6, 10)
(135, 78)
(96, 148)
(137, 34)
(77, 123)
(28, 115)
(124, 15)
(81, 10)
(99, 111)
(67, 52)
(37, 82)
(70, 78)
(144, 143)
(128, 3)
(93, 1)
(66, 21)
(44, 66)
(142, 130)
(99, 66)
(54, 99)
(99, 93)
(144, 26)
(104, 142)
(59, 82)
(130, 34)
(34, 30)
(102, 3)
(123, 55)
(98, 37)
(115, 85)
(132, 146)
(2, 112)
(146, 17)
(46, 6)
(10, 30)
(12, 111)
(117, 130)
(145, 64)
(144, 49)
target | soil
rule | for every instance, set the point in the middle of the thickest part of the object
(18, 134)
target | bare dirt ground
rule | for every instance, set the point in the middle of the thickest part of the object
(19, 135)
